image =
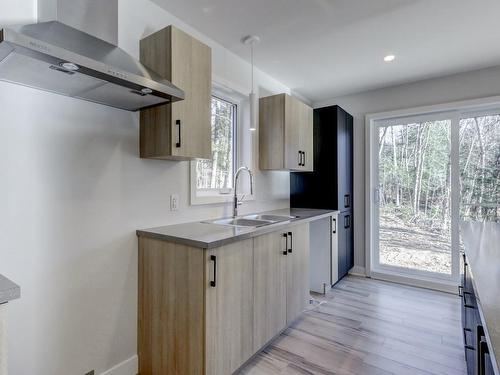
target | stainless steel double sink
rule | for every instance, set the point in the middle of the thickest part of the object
(255, 220)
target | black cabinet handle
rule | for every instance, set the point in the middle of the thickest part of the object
(334, 225)
(347, 200)
(290, 249)
(466, 345)
(347, 221)
(285, 252)
(302, 158)
(213, 283)
(178, 123)
(466, 305)
(462, 291)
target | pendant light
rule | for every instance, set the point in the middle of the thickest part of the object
(252, 40)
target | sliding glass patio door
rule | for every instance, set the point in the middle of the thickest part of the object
(428, 172)
(414, 196)
(480, 166)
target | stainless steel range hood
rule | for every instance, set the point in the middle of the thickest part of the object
(54, 57)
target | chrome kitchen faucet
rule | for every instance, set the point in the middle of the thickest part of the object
(237, 202)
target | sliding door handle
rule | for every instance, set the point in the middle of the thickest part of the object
(347, 221)
(178, 143)
(213, 283)
(347, 200)
(483, 350)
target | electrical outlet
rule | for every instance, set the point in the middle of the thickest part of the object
(174, 202)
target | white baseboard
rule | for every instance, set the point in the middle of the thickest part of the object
(358, 271)
(128, 367)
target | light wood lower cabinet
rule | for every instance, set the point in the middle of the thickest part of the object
(171, 321)
(269, 308)
(229, 319)
(297, 277)
(207, 311)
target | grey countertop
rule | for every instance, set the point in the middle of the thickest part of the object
(207, 236)
(482, 247)
(8, 290)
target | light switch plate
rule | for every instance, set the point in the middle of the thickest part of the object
(174, 202)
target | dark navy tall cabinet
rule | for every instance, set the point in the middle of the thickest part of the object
(330, 185)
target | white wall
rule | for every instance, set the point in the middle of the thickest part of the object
(471, 85)
(73, 193)
(15, 12)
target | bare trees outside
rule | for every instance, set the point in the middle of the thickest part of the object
(218, 172)
(415, 188)
(414, 194)
(480, 168)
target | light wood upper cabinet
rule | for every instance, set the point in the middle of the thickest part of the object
(229, 301)
(285, 134)
(181, 130)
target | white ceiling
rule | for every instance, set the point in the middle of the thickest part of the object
(326, 48)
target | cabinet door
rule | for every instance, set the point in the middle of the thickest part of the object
(180, 130)
(320, 255)
(342, 244)
(298, 135)
(348, 204)
(293, 133)
(191, 117)
(272, 132)
(229, 307)
(344, 159)
(270, 256)
(297, 271)
(348, 221)
(171, 308)
(307, 146)
(335, 250)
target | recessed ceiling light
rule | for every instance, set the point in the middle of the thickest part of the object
(69, 66)
(389, 58)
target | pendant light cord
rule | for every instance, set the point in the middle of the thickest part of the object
(251, 49)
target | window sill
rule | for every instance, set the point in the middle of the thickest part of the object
(200, 199)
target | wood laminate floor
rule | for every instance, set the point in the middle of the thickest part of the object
(366, 326)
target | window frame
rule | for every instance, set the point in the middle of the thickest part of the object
(215, 196)
(457, 110)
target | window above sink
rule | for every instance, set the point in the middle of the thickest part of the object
(212, 180)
